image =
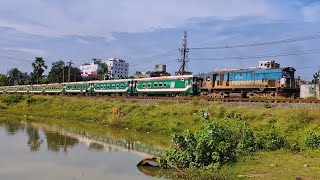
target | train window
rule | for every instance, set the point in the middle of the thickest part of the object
(113, 86)
(155, 84)
(117, 85)
(165, 84)
(108, 86)
(149, 85)
(182, 79)
(121, 86)
(143, 85)
(160, 84)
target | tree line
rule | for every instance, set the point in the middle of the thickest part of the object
(58, 73)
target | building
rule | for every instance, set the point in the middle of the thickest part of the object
(268, 65)
(310, 91)
(92, 69)
(117, 68)
(159, 71)
(141, 74)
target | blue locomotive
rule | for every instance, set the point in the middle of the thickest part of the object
(268, 80)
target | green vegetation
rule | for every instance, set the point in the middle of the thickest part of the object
(3, 80)
(17, 77)
(57, 74)
(38, 69)
(237, 142)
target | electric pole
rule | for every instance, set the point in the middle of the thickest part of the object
(63, 67)
(69, 68)
(184, 55)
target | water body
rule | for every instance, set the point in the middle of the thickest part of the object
(30, 152)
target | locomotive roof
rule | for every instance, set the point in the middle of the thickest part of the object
(254, 69)
(165, 77)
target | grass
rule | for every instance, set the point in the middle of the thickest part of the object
(275, 165)
(161, 118)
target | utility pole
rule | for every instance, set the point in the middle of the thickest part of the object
(69, 68)
(184, 55)
(63, 67)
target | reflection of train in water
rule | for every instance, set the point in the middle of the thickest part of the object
(268, 80)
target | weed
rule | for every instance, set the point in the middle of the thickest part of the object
(12, 99)
(312, 140)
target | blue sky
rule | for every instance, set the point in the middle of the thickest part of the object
(80, 30)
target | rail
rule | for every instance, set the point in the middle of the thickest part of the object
(183, 98)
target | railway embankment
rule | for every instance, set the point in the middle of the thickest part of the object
(262, 141)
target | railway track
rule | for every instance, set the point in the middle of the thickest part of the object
(282, 100)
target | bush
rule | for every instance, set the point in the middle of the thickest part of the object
(271, 140)
(33, 100)
(12, 99)
(214, 145)
(312, 140)
(2, 106)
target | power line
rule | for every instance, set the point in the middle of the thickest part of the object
(303, 38)
(312, 51)
(170, 53)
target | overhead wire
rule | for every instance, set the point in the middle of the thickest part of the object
(312, 51)
(153, 58)
(265, 43)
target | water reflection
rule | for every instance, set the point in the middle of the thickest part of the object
(56, 141)
(12, 128)
(33, 138)
(27, 153)
(96, 146)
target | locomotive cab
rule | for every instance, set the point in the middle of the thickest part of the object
(287, 80)
(209, 80)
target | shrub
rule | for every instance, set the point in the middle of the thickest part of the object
(312, 140)
(212, 146)
(271, 140)
(2, 106)
(245, 138)
(12, 99)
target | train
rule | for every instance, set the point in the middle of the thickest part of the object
(168, 85)
(244, 83)
(256, 82)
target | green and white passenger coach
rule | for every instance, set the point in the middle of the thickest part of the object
(168, 85)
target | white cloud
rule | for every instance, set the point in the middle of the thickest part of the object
(311, 13)
(101, 18)
(34, 52)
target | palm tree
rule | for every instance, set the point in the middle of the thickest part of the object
(15, 77)
(38, 68)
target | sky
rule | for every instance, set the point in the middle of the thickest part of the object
(140, 30)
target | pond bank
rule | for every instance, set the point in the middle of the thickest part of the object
(166, 117)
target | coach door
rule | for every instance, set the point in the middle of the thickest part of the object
(221, 79)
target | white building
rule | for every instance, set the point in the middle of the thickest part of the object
(92, 69)
(117, 68)
(268, 65)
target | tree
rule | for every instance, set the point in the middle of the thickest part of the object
(16, 77)
(104, 71)
(56, 73)
(3, 80)
(75, 74)
(38, 68)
